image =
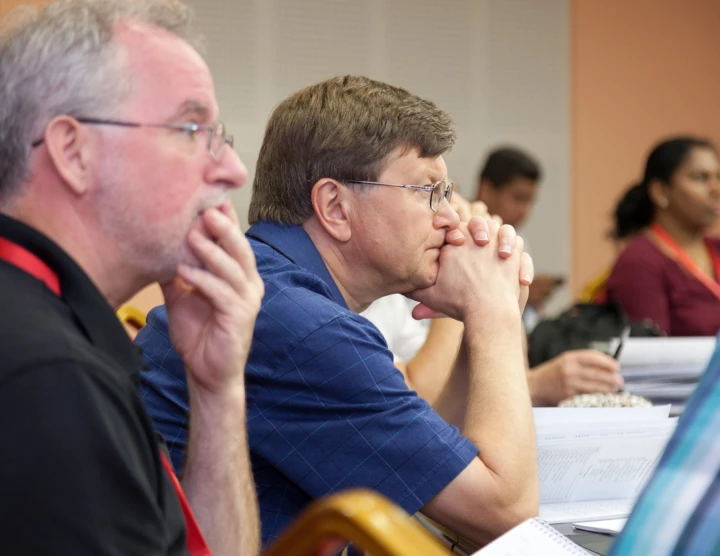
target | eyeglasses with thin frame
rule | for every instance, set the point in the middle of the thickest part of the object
(439, 190)
(217, 134)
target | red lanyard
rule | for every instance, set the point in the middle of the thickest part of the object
(23, 259)
(686, 262)
(195, 541)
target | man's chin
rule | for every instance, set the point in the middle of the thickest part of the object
(428, 279)
(185, 257)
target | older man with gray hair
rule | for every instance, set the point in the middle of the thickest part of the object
(114, 173)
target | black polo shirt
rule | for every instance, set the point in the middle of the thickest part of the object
(80, 471)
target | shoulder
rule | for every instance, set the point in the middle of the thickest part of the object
(36, 327)
(41, 340)
(154, 339)
(298, 303)
(267, 258)
(302, 323)
(641, 251)
(67, 400)
(641, 246)
(291, 290)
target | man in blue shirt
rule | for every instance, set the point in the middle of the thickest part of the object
(350, 204)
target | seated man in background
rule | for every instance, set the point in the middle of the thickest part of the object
(350, 204)
(92, 210)
(678, 511)
(508, 183)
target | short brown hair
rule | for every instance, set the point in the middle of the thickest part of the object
(343, 128)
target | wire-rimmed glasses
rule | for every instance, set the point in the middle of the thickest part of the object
(216, 141)
(439, 190)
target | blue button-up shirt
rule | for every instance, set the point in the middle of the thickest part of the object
(327, 409)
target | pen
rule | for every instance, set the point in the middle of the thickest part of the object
(624, 335)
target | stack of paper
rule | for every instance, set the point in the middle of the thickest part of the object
(665, 370)
(594, 462)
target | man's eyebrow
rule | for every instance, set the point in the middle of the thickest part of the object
(430, 178)
(191, 108)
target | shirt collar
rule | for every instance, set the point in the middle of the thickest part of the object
(294, 243)
(93, 314)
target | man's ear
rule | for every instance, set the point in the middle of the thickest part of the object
(68, 146)
(332, 201)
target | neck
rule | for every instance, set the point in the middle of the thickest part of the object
(86, 247)
(347, 277)
(685, 236)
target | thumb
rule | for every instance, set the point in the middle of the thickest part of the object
(174, 290)
(422, 311)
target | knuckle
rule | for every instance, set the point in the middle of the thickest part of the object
(566, 371)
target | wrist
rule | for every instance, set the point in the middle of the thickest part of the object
(493, 316)
(538, 387)
(229, 397)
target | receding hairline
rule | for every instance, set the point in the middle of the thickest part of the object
(131, 35)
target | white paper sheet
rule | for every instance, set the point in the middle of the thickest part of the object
(570, 512)
(571, 432)
(561, 415)
(667, 351)
(663, 389)
(607, 526)
(596, 470)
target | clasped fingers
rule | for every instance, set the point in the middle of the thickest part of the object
(484, 231)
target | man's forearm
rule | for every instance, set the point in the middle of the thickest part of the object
(218, 478)
(498, 414)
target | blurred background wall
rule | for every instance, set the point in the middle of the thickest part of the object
(586, 85)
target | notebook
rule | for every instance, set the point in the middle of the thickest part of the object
(533, 537)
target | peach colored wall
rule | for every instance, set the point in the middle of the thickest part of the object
(7, 5)
(640, 70)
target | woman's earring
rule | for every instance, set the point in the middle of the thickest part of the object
(664, 203)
